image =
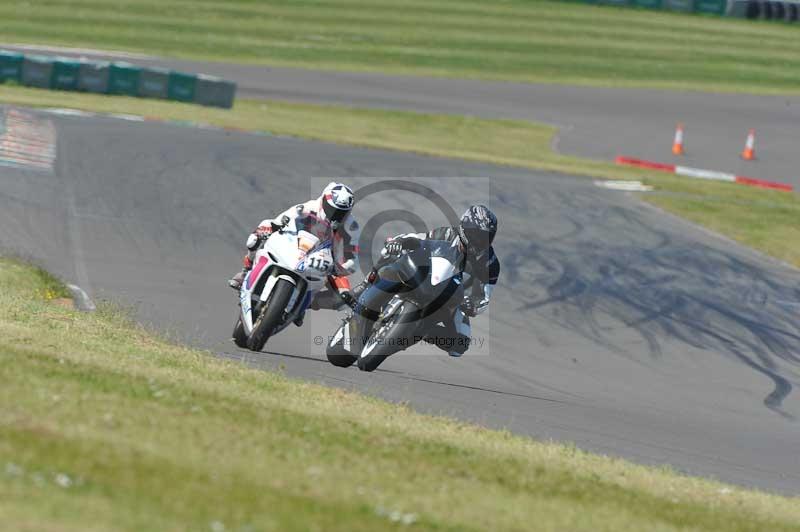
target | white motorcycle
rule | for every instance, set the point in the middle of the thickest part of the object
(288, 270)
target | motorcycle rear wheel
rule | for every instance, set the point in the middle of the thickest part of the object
(239, 336)
(337, 354)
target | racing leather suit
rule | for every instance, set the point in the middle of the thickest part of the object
(308, 217)
(480, 277)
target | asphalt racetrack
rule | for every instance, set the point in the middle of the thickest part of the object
(614, 326)
(598, 123)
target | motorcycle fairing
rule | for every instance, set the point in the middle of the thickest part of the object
(442, 269)
(255, 272)
(274, 262)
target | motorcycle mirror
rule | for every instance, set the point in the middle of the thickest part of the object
(284, 222)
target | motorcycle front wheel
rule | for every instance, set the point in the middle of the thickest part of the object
(271, 314)
(388, 337)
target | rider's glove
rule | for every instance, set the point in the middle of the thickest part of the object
(253, 241)
(468, 307)
(472, 308)
(348, 298)
(280, 225)
(393, 248)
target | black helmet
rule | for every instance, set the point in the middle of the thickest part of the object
(477, 229)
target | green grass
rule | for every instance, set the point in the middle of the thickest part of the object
(764, 220)
(104, 427)
(530, 40)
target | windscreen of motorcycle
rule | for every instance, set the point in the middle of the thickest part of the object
(283, 250)
(446, 261)
(316, 254)
(441, 270)
(306, 241)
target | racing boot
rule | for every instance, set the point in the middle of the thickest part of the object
(236, 281)
(365, 282)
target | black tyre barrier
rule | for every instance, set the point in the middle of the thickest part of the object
(791, 12)
(766, 10)
(753, 9)
(778, 11)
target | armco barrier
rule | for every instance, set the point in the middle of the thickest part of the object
(215, 92)
(61, 73)
(649, 4)
(711, 7)
(182, 86)
(783, 11)
(93, 77)
(65, 74)
(679, 5)
(10, 66)
(123, 78)
(37, 71)
(154, 83)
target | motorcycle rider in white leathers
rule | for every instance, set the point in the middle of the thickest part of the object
(327, 217)
(474, 234)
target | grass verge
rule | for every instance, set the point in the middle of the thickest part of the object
(105, 427)
(530, 40)
(764, 220)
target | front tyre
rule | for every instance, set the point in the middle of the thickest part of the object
(271, 315)
(388, 337)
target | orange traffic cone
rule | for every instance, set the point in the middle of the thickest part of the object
(749, 152)
(677, 144)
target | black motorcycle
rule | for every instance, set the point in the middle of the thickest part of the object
(409, 296)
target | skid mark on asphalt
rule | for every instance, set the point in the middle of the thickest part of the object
(668, 289)
(26, 140)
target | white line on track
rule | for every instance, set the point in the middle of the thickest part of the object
(129, 118)
(629, 186)
(67, 112)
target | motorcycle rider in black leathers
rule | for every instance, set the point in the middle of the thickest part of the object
(474, 234)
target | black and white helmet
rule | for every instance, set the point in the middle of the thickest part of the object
(477, 229)
(336, 203)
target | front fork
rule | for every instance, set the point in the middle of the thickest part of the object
(247, 306)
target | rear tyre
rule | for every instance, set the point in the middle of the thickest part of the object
(239, 336)
(336, 350)
(338, 356)
(271, 314)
